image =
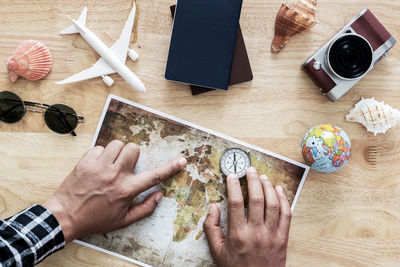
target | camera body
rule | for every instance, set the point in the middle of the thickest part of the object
(349, 55)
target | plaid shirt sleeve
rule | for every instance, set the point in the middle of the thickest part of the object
(29, 236)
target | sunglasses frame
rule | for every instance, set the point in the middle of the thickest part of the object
(80, 118)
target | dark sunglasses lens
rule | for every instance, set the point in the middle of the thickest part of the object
(61, 118)
(11, 107)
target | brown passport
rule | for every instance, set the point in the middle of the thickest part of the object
(240, 68)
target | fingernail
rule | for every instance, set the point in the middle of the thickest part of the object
(182, 162)
(251, 170)
(232, 176)
(158, 197)
(279, 188)
(263, 177)
(212, 208)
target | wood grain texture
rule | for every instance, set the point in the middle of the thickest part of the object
(350, 218)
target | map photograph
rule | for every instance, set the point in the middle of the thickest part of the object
(173, 235)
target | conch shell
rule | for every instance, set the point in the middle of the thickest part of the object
(375, 116)
(31, 60)
(292, 19)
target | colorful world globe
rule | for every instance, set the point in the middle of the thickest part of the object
(326, 148)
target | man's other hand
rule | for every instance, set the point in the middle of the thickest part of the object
(259, 240)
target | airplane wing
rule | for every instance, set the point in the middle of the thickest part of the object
(120, 47)
(100, 68)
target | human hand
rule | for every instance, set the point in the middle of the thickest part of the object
(260, 240)
(96, 197)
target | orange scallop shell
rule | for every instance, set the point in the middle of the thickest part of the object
(31, 60)
(292, 19)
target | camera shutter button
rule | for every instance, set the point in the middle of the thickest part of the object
(317, 65)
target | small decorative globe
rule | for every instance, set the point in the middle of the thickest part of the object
(326, 148)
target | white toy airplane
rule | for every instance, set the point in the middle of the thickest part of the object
(112, 59)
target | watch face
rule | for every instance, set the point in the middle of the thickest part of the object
(235, 160)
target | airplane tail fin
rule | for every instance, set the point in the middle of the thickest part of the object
(81, 20)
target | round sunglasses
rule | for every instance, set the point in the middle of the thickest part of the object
(60, 118)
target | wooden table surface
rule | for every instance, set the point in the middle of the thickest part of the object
(347, 218)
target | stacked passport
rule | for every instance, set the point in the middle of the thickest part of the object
(207, 49)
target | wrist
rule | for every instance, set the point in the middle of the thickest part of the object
(59, 211)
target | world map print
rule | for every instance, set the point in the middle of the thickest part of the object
(173, 235)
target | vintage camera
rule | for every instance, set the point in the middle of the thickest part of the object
(349, 55)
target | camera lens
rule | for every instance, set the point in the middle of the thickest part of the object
(350, 56)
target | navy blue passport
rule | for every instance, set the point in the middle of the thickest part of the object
(202, 42)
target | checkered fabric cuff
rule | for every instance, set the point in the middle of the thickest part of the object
(29, 236)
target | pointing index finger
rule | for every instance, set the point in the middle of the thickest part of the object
(148, 179)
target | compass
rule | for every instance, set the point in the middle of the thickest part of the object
(235, 160)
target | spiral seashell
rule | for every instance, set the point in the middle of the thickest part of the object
(292, 19)
(376, 116)
(31, 60)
